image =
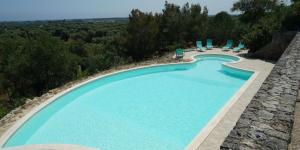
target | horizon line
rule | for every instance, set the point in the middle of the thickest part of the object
(74, 19)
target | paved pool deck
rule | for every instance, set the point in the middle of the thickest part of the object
(218, 134)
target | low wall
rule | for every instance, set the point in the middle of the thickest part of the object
(267, 121)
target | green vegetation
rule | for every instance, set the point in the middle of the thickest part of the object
(263, 18)
(150, 34)
(223, 26)
(38, 56)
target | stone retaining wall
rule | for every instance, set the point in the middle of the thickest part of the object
(267, 121)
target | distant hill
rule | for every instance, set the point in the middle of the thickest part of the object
(70, 20)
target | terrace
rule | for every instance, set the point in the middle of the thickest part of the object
(261, 116)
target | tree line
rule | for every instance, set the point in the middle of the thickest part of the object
(179, 27)
(38, 56)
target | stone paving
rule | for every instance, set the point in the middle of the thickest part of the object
(295, 141)
(267, 121)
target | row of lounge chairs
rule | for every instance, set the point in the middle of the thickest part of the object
(209, 45)
(227, 47)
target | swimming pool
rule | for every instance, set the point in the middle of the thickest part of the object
(159, 107)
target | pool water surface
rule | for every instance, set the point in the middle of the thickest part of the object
(155, 108)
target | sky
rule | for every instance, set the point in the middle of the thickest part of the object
(21, 10)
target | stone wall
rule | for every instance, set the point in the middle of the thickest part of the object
(267, 121)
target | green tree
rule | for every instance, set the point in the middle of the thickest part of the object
(292, 20)
(35, 64)
(142, 34)
(38, 56)
(170, 24)
(262, 32)
(221, 27)
(264, 18)
(253, 10)
(198, 24)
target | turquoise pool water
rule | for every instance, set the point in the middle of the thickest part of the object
(156, 108)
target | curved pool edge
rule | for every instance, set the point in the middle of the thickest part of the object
(209, 127)
(196, 141)
(51, 147)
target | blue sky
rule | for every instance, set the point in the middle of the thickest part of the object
(11, 10)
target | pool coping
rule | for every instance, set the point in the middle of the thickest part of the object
(209, 127)
(197, 140)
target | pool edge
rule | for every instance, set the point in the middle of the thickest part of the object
(198, 139)
(210, 126)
